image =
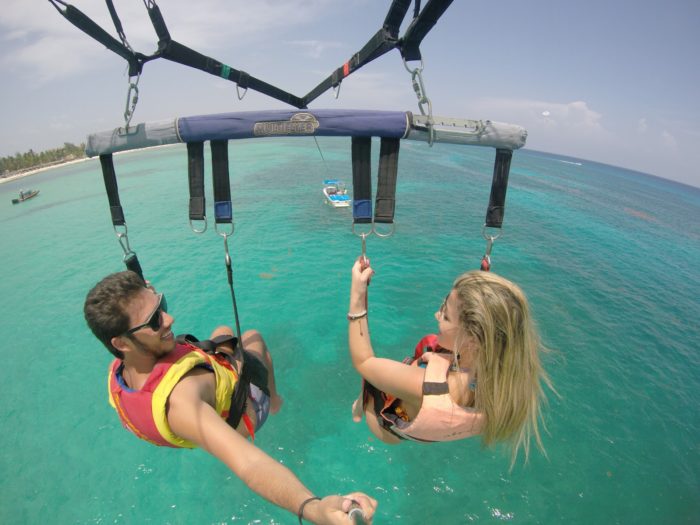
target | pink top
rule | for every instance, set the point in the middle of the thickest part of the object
(440, 418)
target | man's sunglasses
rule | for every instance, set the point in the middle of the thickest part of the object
(154, 320)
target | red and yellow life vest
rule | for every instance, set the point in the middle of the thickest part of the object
(143, 412)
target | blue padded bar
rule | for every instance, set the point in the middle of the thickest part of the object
(280, 123)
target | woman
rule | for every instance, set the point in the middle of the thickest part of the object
(481, 373)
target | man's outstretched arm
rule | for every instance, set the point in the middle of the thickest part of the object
(192, 418)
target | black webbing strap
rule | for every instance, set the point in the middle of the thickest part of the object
(223, 211)
(176, 52)
(157, 20)
(86, 25)
(209, 345)
(499, 186)
(172, 50)
(115, 208)
(386, 184)
(110, 178)
(420, 26)
(381, 42)
(361, 180)
(117, 22)
(240, 391)
(195, 175)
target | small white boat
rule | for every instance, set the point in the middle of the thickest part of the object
(336, 194)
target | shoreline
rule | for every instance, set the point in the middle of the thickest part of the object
(76, 161)
(34, 171)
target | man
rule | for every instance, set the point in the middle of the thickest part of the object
(175, 394)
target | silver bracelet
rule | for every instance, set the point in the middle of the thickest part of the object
(355, 317)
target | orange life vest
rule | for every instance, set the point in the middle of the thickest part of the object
(143, 412)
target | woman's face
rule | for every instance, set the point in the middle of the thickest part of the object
(447, 317)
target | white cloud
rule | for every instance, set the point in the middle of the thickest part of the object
(642, 126)
(314, 48)
(574, 118)
(44, 41)
(669, 141)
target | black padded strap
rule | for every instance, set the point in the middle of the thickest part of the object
(195, 174)
(499, 186)
(361, 180)
(435, 389)
(223, 210)
(386, 185)
(110, 179)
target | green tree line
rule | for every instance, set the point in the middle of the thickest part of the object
(32, 159)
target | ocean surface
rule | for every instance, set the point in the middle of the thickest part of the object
(609, 258)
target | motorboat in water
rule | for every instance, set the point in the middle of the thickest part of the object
(336, 194)
(25, 195)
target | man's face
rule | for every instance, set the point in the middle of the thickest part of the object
(151, 325)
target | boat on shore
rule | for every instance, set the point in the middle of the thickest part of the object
(336, 194)
(25, 195)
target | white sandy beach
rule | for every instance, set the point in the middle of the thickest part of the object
(43, 168)
(68, 163)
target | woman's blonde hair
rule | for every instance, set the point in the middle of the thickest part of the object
(509, 374)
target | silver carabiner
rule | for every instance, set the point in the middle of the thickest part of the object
(132, 98)
(123, 239)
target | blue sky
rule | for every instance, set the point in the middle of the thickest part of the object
(612, 81)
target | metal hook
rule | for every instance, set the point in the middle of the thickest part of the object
(489, 237)
(362, 234)
(223, 234)
(388, 234)
(195, 230)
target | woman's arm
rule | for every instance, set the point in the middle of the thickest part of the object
(192, 418)
(395, 378)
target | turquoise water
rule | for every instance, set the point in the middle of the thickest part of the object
(608, 257)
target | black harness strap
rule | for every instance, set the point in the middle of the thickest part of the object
(86, 25)
(157, 20)
(110, 179)
(361, 180)
(223, 210)
(117, 23)
(240, 392)
(386, 184)
(176, 52)
(499, 186)
(195, 174)
(381, 42)
(420, 26)
(115, 208)
(172, 50)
